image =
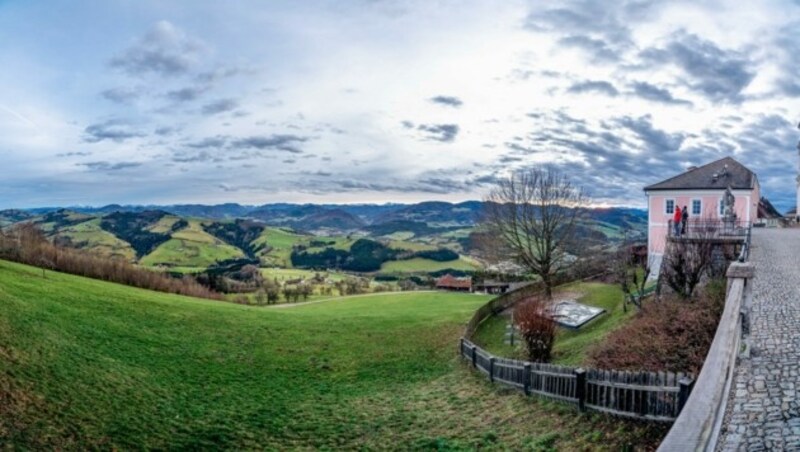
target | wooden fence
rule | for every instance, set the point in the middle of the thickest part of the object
(653, 396)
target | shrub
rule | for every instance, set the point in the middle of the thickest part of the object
(671, 335)
(537, 328)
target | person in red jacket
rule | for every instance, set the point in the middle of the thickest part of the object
(676, 221)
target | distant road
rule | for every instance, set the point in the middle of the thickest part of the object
(349, 297)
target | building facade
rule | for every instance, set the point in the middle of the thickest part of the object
(701, 190)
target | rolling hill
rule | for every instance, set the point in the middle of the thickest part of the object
(164, 237)
(87, 364)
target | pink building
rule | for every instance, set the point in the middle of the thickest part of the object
(701, 190)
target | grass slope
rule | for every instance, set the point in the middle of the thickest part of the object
(571, 346)
(88, 364)
(419, 265)
(191, 247)
(91, 237)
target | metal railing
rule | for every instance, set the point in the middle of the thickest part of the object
(710, 229)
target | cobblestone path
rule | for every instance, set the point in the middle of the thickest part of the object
(763, 411)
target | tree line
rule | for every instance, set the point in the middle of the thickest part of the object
(26, 244)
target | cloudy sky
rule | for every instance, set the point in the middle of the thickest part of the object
(387, 101)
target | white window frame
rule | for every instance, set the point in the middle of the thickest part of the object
(666, 204)
(721, 207)
(700, 208)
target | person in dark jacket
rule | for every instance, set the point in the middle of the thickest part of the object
(684, 219)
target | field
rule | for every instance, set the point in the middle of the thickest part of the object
(191, 247)
(94, 239)
(571, 346)
(419, 265)
(92, 365)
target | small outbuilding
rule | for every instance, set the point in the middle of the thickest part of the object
(490, 286)
(450, 282)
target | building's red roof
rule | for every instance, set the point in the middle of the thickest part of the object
(451, 282)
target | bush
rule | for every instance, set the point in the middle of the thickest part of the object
(671, 335)
(537, 328)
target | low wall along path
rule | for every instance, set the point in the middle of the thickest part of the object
(763, 412)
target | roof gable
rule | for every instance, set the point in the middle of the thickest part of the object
(717, 175)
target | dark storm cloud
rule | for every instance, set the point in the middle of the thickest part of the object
(445, 133)
(597, 86)
(448, 101)
(219, 106)
(280, 142)
(107, 166)
(653, 93)
(112, 130)
(719, 75)
(121, 95)
(165, 50)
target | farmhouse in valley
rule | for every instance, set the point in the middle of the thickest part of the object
(702, 190)
(450, 282)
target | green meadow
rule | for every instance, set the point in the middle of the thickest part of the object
(86, 364)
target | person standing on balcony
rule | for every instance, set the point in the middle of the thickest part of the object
(684, 219)
(676, 221)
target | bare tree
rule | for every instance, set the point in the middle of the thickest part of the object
(688, 259)
(631, 271)
(532, 215)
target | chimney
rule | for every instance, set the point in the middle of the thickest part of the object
(691, 168)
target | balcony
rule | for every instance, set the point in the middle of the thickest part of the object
(715, 230)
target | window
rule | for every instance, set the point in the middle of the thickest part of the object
(721, 207)
(670, 206)
(697, 207)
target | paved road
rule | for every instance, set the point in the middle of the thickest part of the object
(763, 410)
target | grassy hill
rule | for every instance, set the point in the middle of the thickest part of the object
(86, 364)
(191, 247)
(155, 236)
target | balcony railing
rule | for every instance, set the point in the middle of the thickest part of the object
(710, 229)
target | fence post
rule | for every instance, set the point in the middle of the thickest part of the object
(685, 386)
(474, 355)
(526, 376)
(580, 388)
(491, 369)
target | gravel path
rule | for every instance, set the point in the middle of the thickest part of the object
(763, 411)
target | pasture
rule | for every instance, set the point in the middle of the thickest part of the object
(88, 364)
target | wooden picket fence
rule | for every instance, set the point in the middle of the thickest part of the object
(652, 396)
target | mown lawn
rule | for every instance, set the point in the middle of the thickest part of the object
(88, 364)
(571, 346)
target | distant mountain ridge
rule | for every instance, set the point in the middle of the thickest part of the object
(191, 237)
(333, 217)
